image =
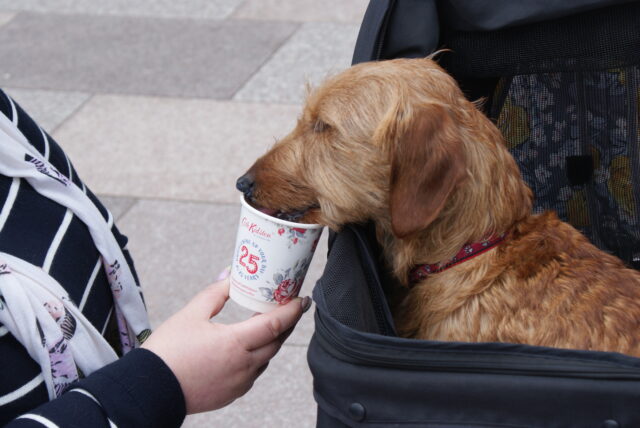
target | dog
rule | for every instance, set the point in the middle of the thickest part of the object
(397, 143)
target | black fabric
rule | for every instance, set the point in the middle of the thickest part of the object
(594, 40)
(72, 410)
(579, 169)
(358, 307)
(366, 45)
(30, 246)
(414, 35)
(489, 15)
(411, 28)
(324, 420)
(575, 137)
(490, 38)
(138, 390)
(395, 397)
(20, 369)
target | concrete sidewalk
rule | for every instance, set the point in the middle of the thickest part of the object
(161, 105)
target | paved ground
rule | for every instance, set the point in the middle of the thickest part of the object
(161, 104)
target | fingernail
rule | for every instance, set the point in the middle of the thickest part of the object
(306, 304)
(224, 274)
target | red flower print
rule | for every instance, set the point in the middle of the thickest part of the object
(281, 231)
(295, 240)
(299, 230)
(286, 290)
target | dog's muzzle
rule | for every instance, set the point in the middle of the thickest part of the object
(245, 184)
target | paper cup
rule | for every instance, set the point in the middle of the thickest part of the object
(271, 259)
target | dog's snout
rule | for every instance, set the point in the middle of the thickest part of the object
(245, 183)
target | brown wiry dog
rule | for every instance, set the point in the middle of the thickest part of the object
(396, 142)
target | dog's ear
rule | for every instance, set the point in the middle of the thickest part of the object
(427, 164)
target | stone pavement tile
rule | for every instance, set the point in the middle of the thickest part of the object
(117, 205)
(6, 17)
(170, 148)
(149, 56)
(281, 397)
(211, 9)
(314, 52)
(180, 247)
(303, 10)
(48, 108)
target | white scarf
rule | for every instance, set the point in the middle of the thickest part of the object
(36, 309)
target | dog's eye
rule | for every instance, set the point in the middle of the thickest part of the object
(320, 126)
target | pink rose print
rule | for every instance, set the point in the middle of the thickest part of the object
(287, 289)
(287, 283)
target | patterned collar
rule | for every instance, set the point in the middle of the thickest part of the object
(467, 252)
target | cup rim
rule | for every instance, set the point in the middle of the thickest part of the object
(276, 220)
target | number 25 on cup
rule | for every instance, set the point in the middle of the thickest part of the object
(251, 266)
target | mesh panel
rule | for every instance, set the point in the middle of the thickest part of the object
(594, 40)
(349, 290)
(575, 137)
(565, 95)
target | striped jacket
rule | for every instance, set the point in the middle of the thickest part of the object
(136, 391)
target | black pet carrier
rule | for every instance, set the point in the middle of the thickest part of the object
(562, 82)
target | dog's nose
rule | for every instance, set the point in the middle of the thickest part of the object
(245, 184)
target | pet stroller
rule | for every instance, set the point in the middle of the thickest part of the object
(562, 82)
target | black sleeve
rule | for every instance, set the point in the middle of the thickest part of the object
(139, 390)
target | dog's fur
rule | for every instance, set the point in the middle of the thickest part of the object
(396, 142)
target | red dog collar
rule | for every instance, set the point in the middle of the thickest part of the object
(467, 252)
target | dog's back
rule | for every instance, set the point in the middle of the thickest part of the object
(546, 285)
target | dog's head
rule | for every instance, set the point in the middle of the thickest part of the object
(386, 141)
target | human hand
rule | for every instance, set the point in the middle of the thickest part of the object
(216, 363)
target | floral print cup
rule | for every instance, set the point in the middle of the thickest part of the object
(270, 259)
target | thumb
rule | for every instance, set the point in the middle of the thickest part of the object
(262, 329)
(209, 301)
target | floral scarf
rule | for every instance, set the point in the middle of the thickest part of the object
(35, 308)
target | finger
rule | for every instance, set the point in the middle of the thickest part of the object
(284, 336)
(209, 301)
(261, 370)
(224, 274)
(265, 328)
(264, 354)
(306, 304)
